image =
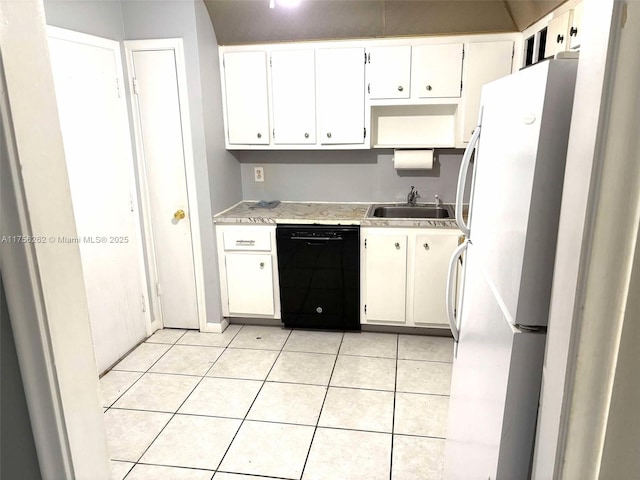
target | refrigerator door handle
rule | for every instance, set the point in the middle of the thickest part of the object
(450, 292)
(462, 179)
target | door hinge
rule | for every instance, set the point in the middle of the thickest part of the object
(460, 85)
(270, 61)
(134, 83)
(368, 57)
(365, 57)
(365, 309)
(368, 88)
(131, 201)
(365, 243)
(223, 64)
(365, 132)
(118, 87)
(463, 53)
(144, 304)
(274, 133)
(158, 289)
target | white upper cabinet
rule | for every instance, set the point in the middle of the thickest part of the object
(437, 70)
(483, 63)
(247, 103)
(575, 30)
(293, 86)
(389, 72)
(557, 35)
(340, 94)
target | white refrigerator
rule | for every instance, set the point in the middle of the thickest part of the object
(500, 321)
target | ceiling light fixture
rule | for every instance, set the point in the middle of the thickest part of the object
(284, 3)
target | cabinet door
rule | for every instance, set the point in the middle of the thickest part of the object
(437, 70)
(386, 278)
(249, 284)
(389, 72)
(293, 86)
(575, 31)
(557, 35)
(341, 95)
(483, 63)
(245, 79)
(432, 254)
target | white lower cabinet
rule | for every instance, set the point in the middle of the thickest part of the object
(385, 277)
(247, 264)
(249, 283)
(432, 255)
(404, 275)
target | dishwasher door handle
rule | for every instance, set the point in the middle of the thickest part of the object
(317, 239)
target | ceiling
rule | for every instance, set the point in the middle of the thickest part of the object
(252, 21)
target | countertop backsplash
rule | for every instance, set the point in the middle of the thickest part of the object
(345, 176)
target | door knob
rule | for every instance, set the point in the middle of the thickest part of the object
(179, 215)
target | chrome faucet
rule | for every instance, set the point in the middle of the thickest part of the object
(412, 197)
(438, 201)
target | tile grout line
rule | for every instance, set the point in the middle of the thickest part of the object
(326, 393)
(252, 403)
(393, 418)
(175, 413)
(171, 345)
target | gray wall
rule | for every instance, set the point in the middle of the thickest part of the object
(345, 176)
(103, 18)
(18, 457)
(224, 169)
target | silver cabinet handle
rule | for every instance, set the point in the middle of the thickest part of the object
(259, 135)
(400, 88)
(306, 135)
(429, 88)
(328, 134)
(397, 245)
(261, 264)
(245, 242)
(426, 246)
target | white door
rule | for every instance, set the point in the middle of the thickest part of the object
(341, 96)
(385, 277)
(437, 70)
(95, 130)
(245, 81)
(293, 85)
(575, 31)
(160, 119)
(249, 283)
(389, 72)
(557, 35)
(432, 254)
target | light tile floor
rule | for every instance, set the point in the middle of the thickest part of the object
(258, 402)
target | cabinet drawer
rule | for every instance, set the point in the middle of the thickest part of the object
(247, 239)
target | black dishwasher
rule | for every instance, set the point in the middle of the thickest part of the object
(319, 269)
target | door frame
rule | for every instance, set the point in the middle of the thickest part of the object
(176, 45)
(114, 46)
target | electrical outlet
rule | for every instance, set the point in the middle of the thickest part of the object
(258, 174)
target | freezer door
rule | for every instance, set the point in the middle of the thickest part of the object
(495, 389)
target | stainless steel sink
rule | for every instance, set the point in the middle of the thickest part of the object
(406, 211)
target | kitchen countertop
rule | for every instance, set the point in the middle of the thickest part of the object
(321, 212)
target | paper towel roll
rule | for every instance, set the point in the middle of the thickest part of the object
(413, 159)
